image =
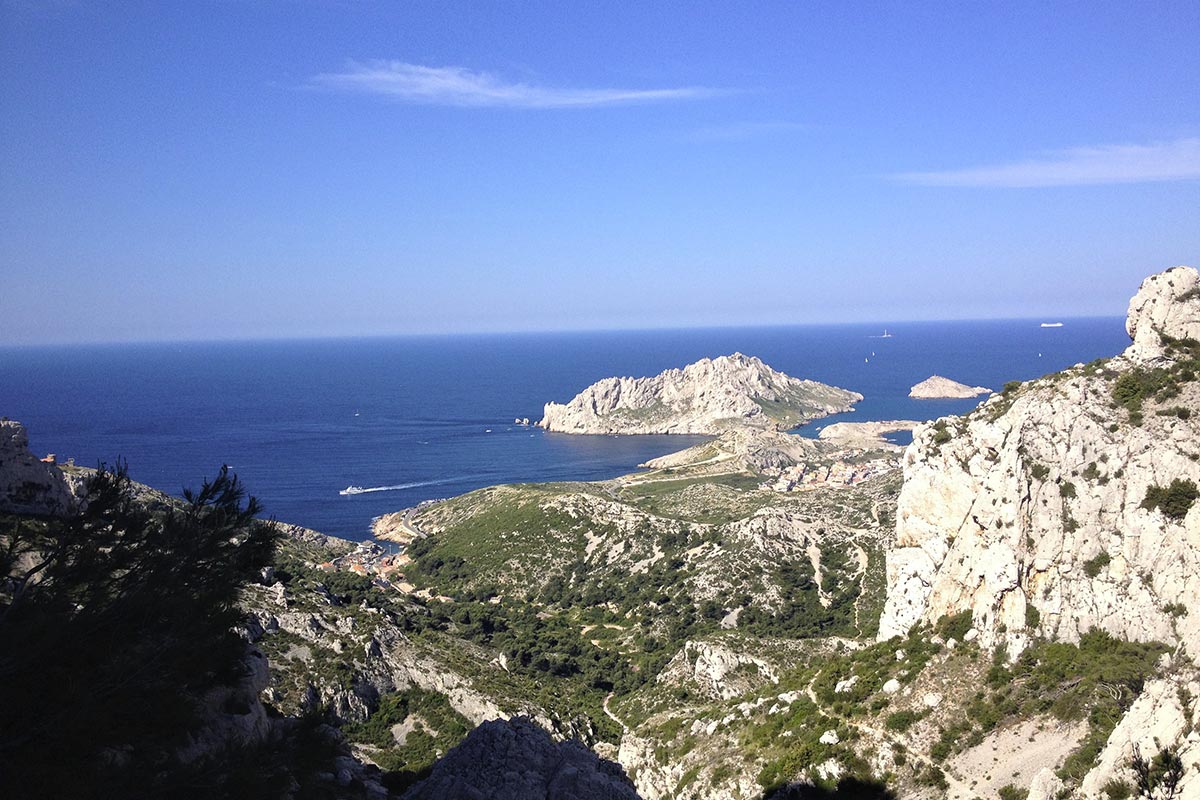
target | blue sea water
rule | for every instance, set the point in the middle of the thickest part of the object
(433, 416)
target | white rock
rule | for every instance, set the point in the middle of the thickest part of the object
(829, 770)
(829, 737)
(845, 686)
(936, 387)
(891, 687)
(932, 699)
(1045, 785)
(706, 397)
(985, 521)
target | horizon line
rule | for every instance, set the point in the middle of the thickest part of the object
(269, 339)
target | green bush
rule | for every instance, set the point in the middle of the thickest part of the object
(1094, 566)
(902, 720)
(954, 626)
(1010, 792)
(1033, 617)
(1173, 501)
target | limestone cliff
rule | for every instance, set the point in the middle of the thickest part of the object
(1036, 499)
(1067, 504)
(706, 397)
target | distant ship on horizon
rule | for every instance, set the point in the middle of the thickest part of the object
(1051, 325)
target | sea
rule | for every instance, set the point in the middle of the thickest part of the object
(426, 417)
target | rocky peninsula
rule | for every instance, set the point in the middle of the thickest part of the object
(935, 387)
(707, 397)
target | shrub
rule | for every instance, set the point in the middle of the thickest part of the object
(954, 626)
(1010, 792)
(941, 433)
(1176, 609)
(1033, 617)
(1173, 501)
(1094, 566)
(1117, 790)
(901, 720)
(1066, 489)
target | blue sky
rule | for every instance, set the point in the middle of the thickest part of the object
(243, 169)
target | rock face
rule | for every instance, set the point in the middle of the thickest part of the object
(1030, 511)
(515, 760)
(706, 397)
(936, 387)
(28, 485)
(1169, 303)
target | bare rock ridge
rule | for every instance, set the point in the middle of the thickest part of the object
(936, 387)
(707, 397)
(515, 760)
(1066, 505)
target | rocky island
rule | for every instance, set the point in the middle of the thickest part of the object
(935, 387)
(706, 397)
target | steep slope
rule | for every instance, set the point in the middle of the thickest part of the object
(706, 397)
(1065, 505)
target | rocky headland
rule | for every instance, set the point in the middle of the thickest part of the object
(706, 397)
(935, 387)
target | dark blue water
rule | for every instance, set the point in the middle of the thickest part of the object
(301, 420)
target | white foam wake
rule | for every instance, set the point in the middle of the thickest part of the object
(395, 487)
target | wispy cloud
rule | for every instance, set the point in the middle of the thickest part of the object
(1174, 160)
(741, 131)
(458, 86)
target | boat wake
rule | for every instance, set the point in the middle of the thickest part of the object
(351, 490)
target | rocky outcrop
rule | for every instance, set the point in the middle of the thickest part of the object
(866, 435)
(1167, 303)
(717, 670)
(1030, 511)
(1163, 715)
(751, 449)
(514, 760)
(27, 484)
(935, 387)
(706, 397)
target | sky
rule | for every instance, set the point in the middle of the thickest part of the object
(242, 169)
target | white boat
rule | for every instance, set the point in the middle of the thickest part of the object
(1052, 324)
(885, 335)
(353, 490)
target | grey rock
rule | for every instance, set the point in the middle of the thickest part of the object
(516, 760)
